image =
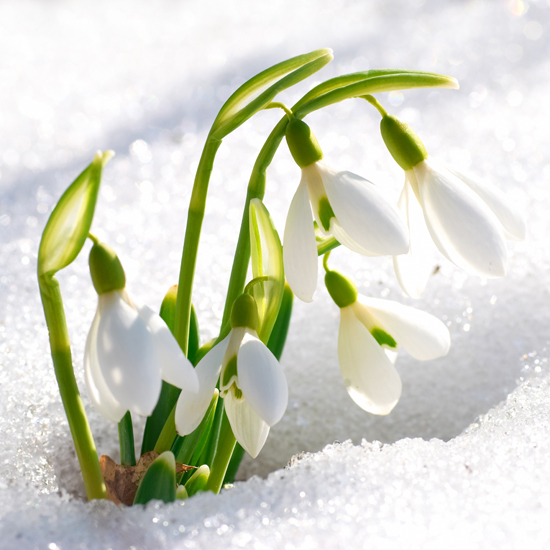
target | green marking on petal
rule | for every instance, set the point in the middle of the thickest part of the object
(383, 338)
(229, 372)
(237, 392)
(326, 213)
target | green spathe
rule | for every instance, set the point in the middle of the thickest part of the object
(105, 268)
(244, 313)
(302, 143)
(70, 222)
(341, 289)
(159, 482)
(403, 144)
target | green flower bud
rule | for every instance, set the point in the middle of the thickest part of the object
(403, 144)
(106, 269)
(302, 143)
(341, 289)
(244, 312)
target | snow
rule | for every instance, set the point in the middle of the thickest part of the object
(146, 79)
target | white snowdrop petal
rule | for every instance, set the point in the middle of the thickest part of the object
(461, 225)
(127, 356)
(175, 367)
(191, 406)
(512, 221)
(413, 269)
(364, 214)
(262, 380)
(369, 376)
(421, 334)
(344, 239)
(98, 391)
(300, 248)
(249, 429)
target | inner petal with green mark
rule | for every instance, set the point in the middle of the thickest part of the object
(325, 213)
(229, 375)
(383, 338)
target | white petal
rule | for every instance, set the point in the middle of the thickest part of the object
(262, 380)
(370, 377)
(175, 367)
(421, 334)
(364, 214)
(413, 269)
(462, 226)
(100, 394)
(300, 247)
(248, 428)
(344, 239)
(127, 356)
(191, 407)
(511, 220)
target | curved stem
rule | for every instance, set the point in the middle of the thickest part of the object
(325, 261)
(374, 102)
(195, 216)
(68, 389)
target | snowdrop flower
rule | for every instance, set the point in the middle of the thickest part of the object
(252, 382)
(371, 330)
(344, 205)
(467, 219)
(129, 350)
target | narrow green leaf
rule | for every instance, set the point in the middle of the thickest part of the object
(267, 261)
(236, 110)
(279, 333)
(71, 219)
(159, 482)
(234, 463)
(185, 447)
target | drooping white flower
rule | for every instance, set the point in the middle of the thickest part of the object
(252, 384)
(371, 331)
(129, 350)
(466, 219)
(344, 205)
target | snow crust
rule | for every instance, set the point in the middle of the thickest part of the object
(146, 79)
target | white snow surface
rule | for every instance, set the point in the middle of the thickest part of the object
(463, 459)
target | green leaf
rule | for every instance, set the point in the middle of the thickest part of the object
(197, 482)
(346, 87)
(265, 86)
(267, 262)
(159, 482)
(71, 219)
(279, 333)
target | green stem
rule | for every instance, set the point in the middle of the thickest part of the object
(256, 190)
(68, 389)
(224, 451)
(327, 245)
(126, 439)
(195, 216)
(374, 102)
(325, 261)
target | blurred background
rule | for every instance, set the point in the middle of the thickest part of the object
(147, 79)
